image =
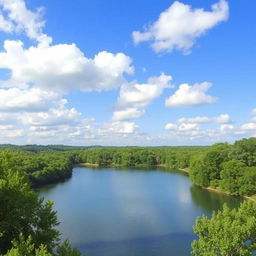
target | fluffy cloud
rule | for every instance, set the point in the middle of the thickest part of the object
(182, 127)
(222, 119)
(32, 100)
(133, 98)
(59, 115)
(179, 26)
(32, 97)
(190, 95)
(190, 128)
(249, 126)
(118, 128)
(61, 67)
(128, 113)
(227, 128)
(20, 19)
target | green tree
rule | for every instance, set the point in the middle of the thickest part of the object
(227, 232)
(197, 172)
(22, 211)
(66, 250)
(245, 151)
(26, 247)
(230, 176)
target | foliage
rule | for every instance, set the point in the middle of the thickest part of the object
(174, 157)
(23, 212)
(228, 232)
(26, 247)
(232, 167)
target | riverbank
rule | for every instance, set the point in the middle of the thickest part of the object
(220, 191)
(87, 165)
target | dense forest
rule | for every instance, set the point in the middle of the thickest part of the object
(28, 225)
(230, 168)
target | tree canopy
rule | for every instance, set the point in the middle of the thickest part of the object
(227, 233)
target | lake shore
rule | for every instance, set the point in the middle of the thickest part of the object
(219, 190)
(184, 170)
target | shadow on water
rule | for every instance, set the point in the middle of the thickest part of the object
(135, 169)
(212, 201)
(177, 243)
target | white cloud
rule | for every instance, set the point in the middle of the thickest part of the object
(61, 67)
(58, 115)
(133, 98)
(5, 25)
(182, 127)
(128, 113)
(227, 128)
(33, 99)
(58, 129)
(249, 126)
(190, 128)
(171, 127)
(118, 128)
(20, 19)
(179, 26)
(254, 111)
(140, 95)
(9, 133)
(190, 95)
(222, 119)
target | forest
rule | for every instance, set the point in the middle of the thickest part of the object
(28, 225)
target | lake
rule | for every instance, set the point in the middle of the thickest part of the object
(112, 212)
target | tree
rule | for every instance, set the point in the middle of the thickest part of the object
(197, 172)
(227, 232)
(26, 247)
(22, 211)
(245, 151)
(230, 176)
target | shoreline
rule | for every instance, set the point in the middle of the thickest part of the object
(184, 170)
(86, 165)
(220, 191)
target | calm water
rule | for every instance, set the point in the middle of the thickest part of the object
(111, 212)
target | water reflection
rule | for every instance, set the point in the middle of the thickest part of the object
(212, 201)
(131, 212)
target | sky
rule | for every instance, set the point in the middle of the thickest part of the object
(118, 73)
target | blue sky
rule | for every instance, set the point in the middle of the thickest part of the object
(127, 72)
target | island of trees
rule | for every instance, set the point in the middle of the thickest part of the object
(28, 225)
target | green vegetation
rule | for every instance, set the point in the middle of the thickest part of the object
(231, 168)
(26, 222)
(43, 168)
(26, 247)
(172, 157)
(228, 232)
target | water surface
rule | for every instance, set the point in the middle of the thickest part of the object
(110, 212)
